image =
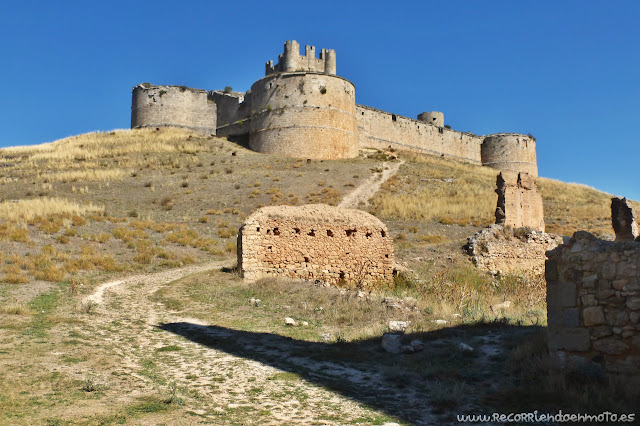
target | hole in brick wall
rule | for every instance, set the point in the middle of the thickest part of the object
(258, 229)
(312, 233)
(368, 234)
(329, 233)
(306, 259)
(386, 256)
(350, 232)
(297, 230)
(384, 234)
(276, 231)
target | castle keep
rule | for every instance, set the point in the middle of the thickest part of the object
(302, 109)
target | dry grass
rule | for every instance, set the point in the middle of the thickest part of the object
(434, 189)
(24, 210)
(86, 176)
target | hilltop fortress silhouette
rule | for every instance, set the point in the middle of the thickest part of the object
(301, 108)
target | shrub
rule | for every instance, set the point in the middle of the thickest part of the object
(228, 89)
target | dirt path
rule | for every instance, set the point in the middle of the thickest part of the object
(144, 348)
(366, 190)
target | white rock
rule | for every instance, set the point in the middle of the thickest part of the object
(400, 326)
(391, 343)
(326, 337)
(360, 294)
(289, 321)
(304, 324)
(441, 321)
(464, 347)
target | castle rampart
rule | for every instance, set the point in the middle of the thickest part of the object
(302, 109)
(177, 106)
(380, 129)
(510, 151)
(305, 115)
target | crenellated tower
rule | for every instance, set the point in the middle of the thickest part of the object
(291, 60)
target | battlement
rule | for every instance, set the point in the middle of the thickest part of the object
(291, 60)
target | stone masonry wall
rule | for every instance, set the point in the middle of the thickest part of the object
(593, 302)
(304, 115)
(496, 249)
(510, 151)
(316, 242)
(379, 129)
(178, 106)
(519, 202)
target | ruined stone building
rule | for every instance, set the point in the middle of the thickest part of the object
(301, 108)
(593, 297)
(519, 202)
(316, 242)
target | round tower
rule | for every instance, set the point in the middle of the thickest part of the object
(510, 151)
(432, 117)
(176, 106)
(304, 115)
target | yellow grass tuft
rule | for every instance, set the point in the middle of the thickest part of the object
(25, 210)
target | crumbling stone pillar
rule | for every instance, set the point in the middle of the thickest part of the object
(623, 220)
(519, 202)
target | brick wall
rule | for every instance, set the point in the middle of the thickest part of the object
(335, 245)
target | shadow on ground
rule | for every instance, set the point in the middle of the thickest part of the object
(428, 387)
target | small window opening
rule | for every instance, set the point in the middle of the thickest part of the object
(342, 275)
(269, 248)
(306, 259)
(329, 233)
(384, 234)
(350, 232)
(440, 130)
(386, 255)
(362, 112)
(268, 231)
(312, 233)
(393, 117)
(258, 229)
(276, 231)
(297, 230)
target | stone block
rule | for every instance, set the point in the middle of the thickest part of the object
(608, 271)
(633, 303)
(610, 346)
(601, 331)
(550, 269)
(590, 281)
(593, 316)
(568, 317)
(589, 300)
(561, 294)
(570, 339)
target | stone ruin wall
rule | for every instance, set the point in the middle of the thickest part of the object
(316, 242)
(519, 201)
(176, 106)
(517, 242)
(304, 115)
(593, 302)
(499, 250)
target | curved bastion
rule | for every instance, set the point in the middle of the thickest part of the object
(175, 106)
(304, 115)
(510, 151)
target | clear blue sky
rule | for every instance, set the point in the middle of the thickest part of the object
(568, 72)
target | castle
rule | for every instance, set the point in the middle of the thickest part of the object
(302, 109)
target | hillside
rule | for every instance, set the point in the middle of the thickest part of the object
(114, 245)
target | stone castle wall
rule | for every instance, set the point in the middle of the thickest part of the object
(304, 115)
(510, 151)
(593, 302)
(302, 109)
(316, 242)
(177, 106)
(380, 129)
